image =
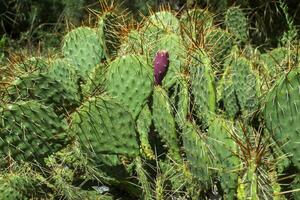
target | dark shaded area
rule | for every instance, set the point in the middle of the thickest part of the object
(18, 16)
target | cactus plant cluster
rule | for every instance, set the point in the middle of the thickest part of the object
(180, 107)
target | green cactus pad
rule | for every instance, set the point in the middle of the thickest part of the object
(130, 81)
(236, 22)
(194, 23)
(218, 44)
(83, 47)
(226, 91)
(159, 22)
(104, 127)
(133, 43)
(203, 85)
(282, 116)
(108, 30)
(164, 121)
(157, 26)
(95, 82)
(36, 131)
(33, 64)
(275, 61)
(224, 151)
(197, 153)
(58, 86)
(245, 83)
(143, 124)
(182, 108)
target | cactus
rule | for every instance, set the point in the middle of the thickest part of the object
(95, 83)
(143, 124)
(182, 107)
(143, 179)
(225, 154)
(18, 185)
(133, 43)
(157, 26)
(130, 81)
(164, 121)
(33, 64)
(197, 154)
(248, 185)
(275, 62)
(83, 47)
(193, 23)
(36, 132)
(236, 22)
(202, 85)
(108, 30)
(282, 116)
(161, 22)
(245, 84)
(58, 86)
(218, 44)
(226, 92)
(104, 127)
(89, 116)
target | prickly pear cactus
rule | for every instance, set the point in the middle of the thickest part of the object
(161, 22)
(102, 126)
(282, 116)
(182, 107)
(193, 23)
(17, 186)
(218, 44)
(236, 22)
(224, 151)
(108, 30)
(197, 154)
(132, 43)
(33, 64)
(164, 121)
(275, 62)
(161, 65)
(95, 83)
(130, 81)
(143, 124)
(203, 85)
(225, 90)
(36, 132)
(58, 86)
(248, 184)
(245, 83)
(83, 47)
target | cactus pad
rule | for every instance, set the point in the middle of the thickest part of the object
(164, 121)
(83, 47)
(104, 127)
(282, 115)
(36, 132)
(130, 81)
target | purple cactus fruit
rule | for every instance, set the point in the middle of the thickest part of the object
(161, 64)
